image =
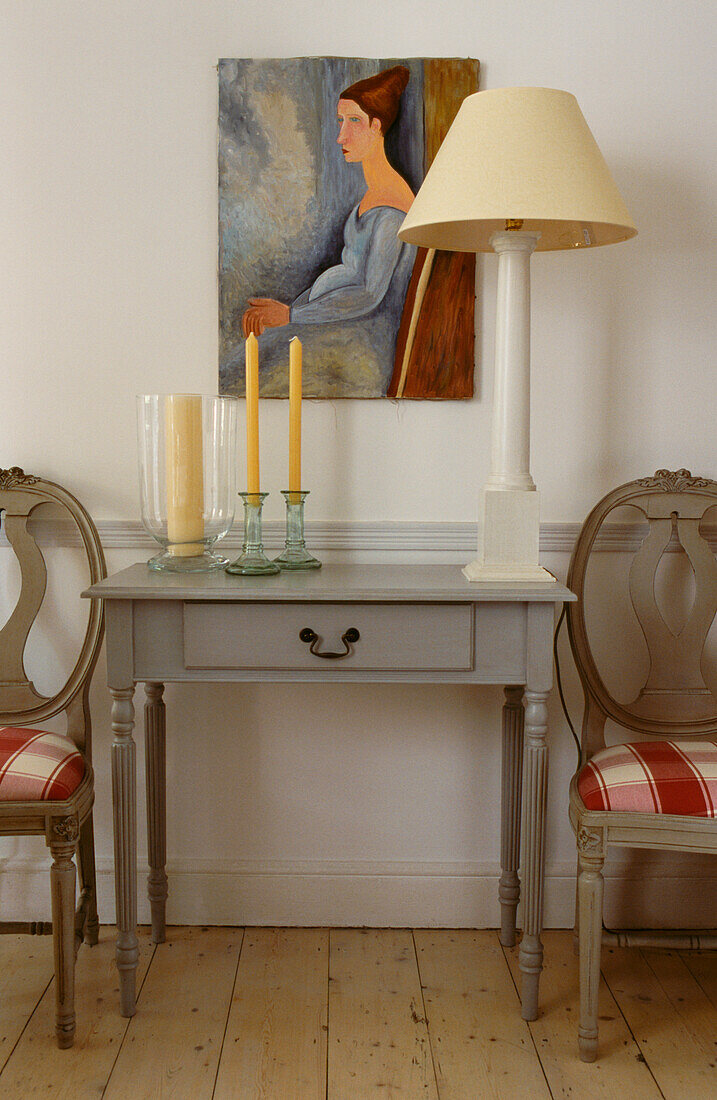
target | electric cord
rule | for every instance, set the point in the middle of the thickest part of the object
(559, 682)
(576, 739)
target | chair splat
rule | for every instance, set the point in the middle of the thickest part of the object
(675, 684)
(46, 778)
(18, 692)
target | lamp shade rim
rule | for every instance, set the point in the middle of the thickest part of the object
(518, 154)
(555, 235)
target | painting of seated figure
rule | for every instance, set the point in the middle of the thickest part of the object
(319, 161)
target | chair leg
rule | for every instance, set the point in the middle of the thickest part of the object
(88, 878)
(576, 926)
(62, 880)
(590, 900)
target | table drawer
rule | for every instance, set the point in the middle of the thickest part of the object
(266, 636)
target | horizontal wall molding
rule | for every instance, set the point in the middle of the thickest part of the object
(640, 864)
(384, 535)
(345, 893)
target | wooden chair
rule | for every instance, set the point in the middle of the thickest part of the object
(46, 780)
(658, 791)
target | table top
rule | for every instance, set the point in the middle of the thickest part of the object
(394, 583)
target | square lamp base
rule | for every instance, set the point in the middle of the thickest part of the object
(508, 541)
(507, 574)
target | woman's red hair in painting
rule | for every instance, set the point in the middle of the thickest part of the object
(380, 95)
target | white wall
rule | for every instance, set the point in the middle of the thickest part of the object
(108, 246)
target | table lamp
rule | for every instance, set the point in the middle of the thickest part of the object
(518, 171)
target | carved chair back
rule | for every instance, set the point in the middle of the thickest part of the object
(674, 701)
(20, 703)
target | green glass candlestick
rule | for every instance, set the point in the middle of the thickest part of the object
(252, 560)
(295, 555)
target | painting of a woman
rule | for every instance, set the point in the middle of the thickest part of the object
(361, 298)
(348, 312)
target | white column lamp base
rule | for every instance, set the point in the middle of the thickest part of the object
(508, 540)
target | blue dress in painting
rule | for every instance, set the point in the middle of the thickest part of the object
(347, 320)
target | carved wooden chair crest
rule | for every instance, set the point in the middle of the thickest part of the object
(46, 780)
(659, 790)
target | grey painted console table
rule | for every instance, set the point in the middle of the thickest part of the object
(371, 623)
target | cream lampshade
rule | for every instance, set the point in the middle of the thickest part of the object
(518, 171)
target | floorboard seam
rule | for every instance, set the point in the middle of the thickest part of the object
(627, 1025)
(229, 1012)
(127, 1025)
(425, 1014)
(530, 1030)
(27, 1024)
(686, 961)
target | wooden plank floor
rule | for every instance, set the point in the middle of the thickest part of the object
(354, 1014)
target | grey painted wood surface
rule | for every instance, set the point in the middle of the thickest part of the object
(391, 636)
(416, 623)
(66, 824)
(402, 583)
(159, 645)
(675, 701)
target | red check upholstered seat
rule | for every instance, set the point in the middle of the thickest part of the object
(38, 766)
(653, 777)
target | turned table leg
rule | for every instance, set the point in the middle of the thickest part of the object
(124, 799)
(512, 767)
(155, 751)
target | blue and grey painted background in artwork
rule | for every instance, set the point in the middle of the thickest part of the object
(285, 194)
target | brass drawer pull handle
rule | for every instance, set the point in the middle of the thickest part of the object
(311, 637)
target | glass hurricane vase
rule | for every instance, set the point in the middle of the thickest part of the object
(187, 476)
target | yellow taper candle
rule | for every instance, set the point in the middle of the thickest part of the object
(295, 415)
(252, 413)
(185, 474)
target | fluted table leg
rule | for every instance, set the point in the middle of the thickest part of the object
(155, 751)
(124, 798)
(512, 767)
(535, 790)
